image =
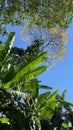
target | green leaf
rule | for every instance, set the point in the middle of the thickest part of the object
(8, 75)
(63, 94)
(6, 49)
(49, 106)
(53, 96)
(33, 87)
(45, 87)
(4, 120)
(35, 73)
(29, 71)
(30, 65)
(64, 125)
(65, 102)
(1, 47)
(42, 99)
(9, 42)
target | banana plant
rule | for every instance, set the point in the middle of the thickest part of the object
(21, 105)
(30, 110)
(12, 76)
(16, 77)
(17, 83)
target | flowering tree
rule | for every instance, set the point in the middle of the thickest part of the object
(52, 40)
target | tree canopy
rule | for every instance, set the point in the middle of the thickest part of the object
(47, 14)
(51, 40)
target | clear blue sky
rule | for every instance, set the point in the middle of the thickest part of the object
(61, 75)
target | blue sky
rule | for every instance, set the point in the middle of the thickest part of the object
(61, 75)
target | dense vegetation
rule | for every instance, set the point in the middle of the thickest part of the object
(22, 107)
(46, 14)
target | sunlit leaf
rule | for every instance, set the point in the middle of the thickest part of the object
(4, 120)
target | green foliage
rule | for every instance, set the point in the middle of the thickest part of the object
(4, 120)
(1, 47)
(20, 55)
(25, 72)
(21, 105)
(49, 105)
(34, 107)
(17, 76)
(9, 106)
(4, 50)
(47, 14)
